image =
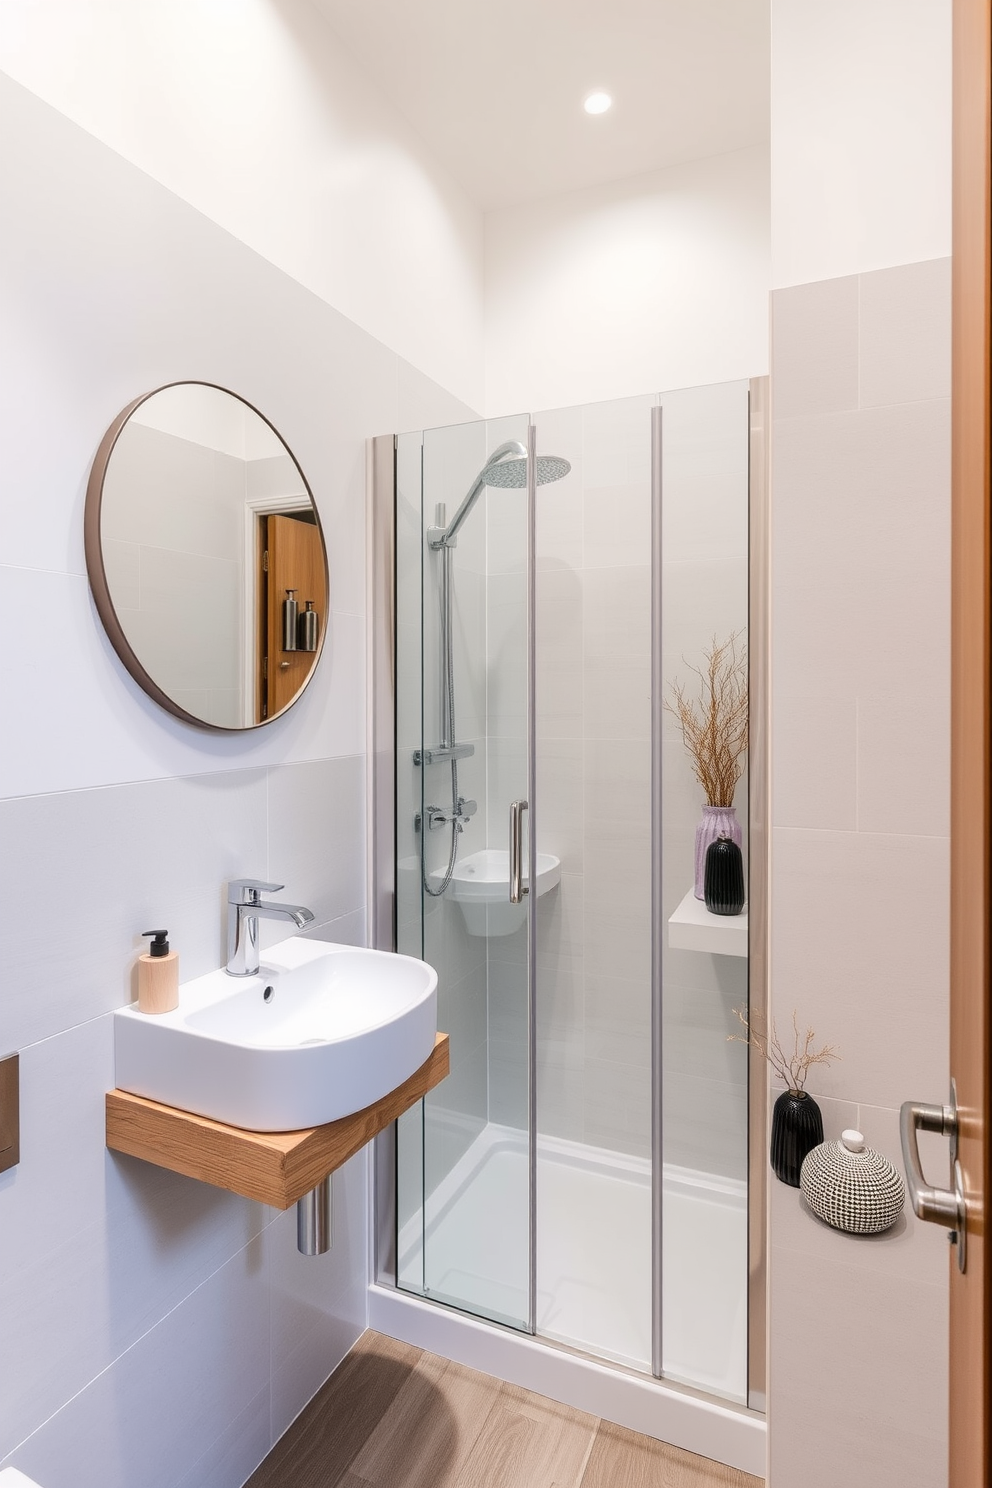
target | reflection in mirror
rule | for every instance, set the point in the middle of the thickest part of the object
(206, 556)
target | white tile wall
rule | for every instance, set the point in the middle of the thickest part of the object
(156, 1331)
(860, 665)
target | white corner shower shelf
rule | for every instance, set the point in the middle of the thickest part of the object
(480, 887)
(693, 928)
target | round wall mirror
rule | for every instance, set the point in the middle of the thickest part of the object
(206, 557)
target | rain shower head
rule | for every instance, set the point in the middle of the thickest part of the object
(506, 468)
(512, 474)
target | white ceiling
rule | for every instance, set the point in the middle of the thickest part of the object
(495, 87)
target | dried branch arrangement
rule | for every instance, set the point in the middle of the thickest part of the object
(714, 725)
(793, 1068)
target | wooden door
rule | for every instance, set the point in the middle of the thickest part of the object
(294, 561)
(971, 786)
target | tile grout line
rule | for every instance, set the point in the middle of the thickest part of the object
(134, 1344)
(256, 768)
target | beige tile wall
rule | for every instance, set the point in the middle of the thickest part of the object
(860, 668)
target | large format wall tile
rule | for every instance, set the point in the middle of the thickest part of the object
(106, 865)
(155, 1411)
(815, 348)
(816, 762)
(860, 853)
(860, 948)
(905, 333)
(858, 1377)
(560, 600)
(96, 1247)
(230, 1460)
(704, 468)
(85, 723)
(862, 553)
(316, 846)
(904, 762)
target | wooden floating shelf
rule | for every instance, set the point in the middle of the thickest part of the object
(273, 1167)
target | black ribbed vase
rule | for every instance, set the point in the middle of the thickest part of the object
(723, 880)
(797, 1127)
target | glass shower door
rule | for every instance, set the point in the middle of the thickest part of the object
(463, 1156)
(704, 962)
(594, 1066)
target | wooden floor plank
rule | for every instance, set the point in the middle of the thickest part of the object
(625, 1459)
(393, 1416)
(430, 1427)
(528, 1440)
(318, 1449)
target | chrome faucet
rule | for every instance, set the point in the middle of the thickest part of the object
(245, 907)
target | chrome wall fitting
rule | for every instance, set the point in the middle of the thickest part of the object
(443, 753)
(443, 816)
(313, 1220)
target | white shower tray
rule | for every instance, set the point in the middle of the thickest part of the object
(480, 886)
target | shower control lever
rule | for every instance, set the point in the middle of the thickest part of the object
(517, 887)
(442, 753)
(443, 816)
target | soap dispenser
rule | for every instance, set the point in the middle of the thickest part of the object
(158, 975)
(290, 621)
(308, 624)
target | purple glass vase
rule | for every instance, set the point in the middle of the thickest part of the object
(718, 821)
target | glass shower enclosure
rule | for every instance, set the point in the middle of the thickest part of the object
(582, 1174)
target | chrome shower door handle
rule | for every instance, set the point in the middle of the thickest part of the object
(517, 888)
(943, 1206)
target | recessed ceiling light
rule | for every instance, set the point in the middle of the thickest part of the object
(598, 103)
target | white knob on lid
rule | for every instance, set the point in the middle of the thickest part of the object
(853, 1140)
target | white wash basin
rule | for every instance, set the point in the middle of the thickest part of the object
(322, 1031)
(480, 886)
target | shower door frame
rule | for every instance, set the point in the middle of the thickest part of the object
(381, 890)
(381, 806)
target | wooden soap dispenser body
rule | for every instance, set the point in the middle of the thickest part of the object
(158, 975)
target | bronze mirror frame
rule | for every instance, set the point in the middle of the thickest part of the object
(97, 574)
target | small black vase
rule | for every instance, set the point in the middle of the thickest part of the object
(797, 1127)
(723, 880)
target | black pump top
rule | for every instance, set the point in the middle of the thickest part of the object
(160, 942)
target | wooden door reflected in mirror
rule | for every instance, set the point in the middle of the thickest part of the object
(292, 564)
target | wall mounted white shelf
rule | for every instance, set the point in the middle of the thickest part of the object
(693, 928)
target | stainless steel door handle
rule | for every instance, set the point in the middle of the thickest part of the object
(517, 889)
(943, 1206)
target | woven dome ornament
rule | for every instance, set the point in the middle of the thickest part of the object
(852, 1187)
